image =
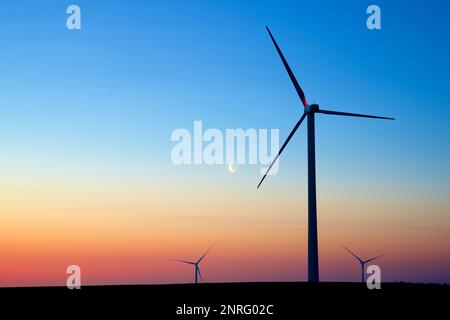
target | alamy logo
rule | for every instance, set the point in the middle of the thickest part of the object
(236, 146)
(74, 278)
(73, 21)
(374, 279)
(373, 22)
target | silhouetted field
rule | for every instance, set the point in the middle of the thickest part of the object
(289, 300)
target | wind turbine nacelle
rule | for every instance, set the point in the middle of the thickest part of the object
(311, 108)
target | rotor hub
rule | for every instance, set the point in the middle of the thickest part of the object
(310, 108)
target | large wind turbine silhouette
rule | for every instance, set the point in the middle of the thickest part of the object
(363, 262)
(309, 112)
(195, 264)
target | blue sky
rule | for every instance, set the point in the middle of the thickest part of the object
(109, 96)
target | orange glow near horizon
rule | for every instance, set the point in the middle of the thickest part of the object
(120, 237)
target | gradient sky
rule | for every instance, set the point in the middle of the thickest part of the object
(86, 118)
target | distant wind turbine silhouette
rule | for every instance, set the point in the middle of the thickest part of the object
(195, 264)
(363, 262)
(309, 111)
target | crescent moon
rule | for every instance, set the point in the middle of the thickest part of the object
(231, 169)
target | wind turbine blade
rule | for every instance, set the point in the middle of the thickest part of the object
(348, 114)
(204, 254)
(375, 258)
(199, 273)
(282, 147)
(360, 260)
(184, 261)
(299, 90)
